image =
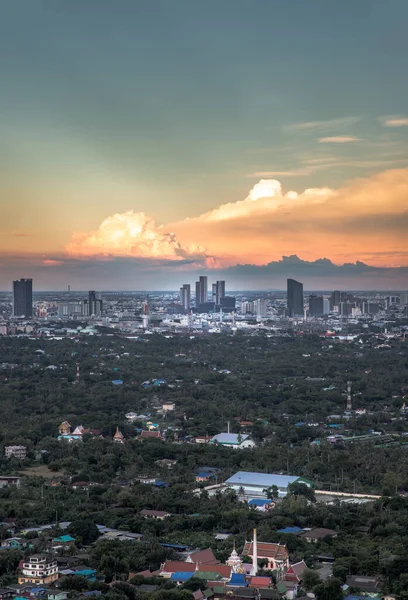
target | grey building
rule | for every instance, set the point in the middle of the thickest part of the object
(185, 296)
(294, 298)
(201, 290)
(23, 298)
(316, 306)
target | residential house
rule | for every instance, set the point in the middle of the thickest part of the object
(168, 406)
(276, 555)
(6, 594)
(317, 534)
(165, 462)
(367, 584)
(7, 480)
(64, 428)
(57, 595)
(238, 441)
(16, 543)
(203, 439)
(204, 476)
(154, 514)
(261, 504)
(295, 572)
(202, 557)
(19, 452)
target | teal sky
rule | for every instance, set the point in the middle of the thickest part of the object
(173, 107)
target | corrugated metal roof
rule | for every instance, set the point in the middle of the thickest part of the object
(229, 438)
(263, 480)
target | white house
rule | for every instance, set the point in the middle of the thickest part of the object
(237, 441)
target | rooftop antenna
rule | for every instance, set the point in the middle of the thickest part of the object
(348, 401)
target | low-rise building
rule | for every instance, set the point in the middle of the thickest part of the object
(19, 452)
(38, 569)
(255, 485)
(318, 533)
(154, 514)
(238, 441)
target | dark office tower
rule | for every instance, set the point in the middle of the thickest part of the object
(201, 291)
(316, 308)
(295, 298)
(185, 294)
(220, 287)
(92, 303)
(214, 293)
(23, 298)
(335, 299)
(197, 294)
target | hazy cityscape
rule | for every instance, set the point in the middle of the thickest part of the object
(203, 300)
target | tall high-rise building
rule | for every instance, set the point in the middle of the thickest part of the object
(201, 290)
(316, 305)
(93, 306)
(185, 295)
(214, 293)
(260, 307)
(220, 291)
(23, 298)
(294, 298)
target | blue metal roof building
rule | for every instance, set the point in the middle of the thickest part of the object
(181, 576)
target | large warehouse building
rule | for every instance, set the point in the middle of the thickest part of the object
(254, 485)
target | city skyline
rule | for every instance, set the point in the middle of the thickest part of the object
(151, 143)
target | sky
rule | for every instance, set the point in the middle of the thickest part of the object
(144, 142)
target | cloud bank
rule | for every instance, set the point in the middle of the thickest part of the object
(366, 221)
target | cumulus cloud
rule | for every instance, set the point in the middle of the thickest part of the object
(131, 234)
(365, 220)
(395, 121)
(361, 220)
(339, 139)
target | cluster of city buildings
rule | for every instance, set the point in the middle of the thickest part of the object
(218, 300)
(208, 310)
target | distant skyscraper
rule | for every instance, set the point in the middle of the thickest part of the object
(214, 293)
(220, 291)
(261, 307)
(335, 299)
(316, 306)
(201, 290)
(23, 298)
(294, 298)
(93, 306)
(185, 295)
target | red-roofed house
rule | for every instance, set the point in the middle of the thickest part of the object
(222, 570)
(146, 573)
(260, 582)
(295, 572)
(176, 566)
(203, 557)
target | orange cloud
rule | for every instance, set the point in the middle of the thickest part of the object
(365, 220)
(131, 234)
